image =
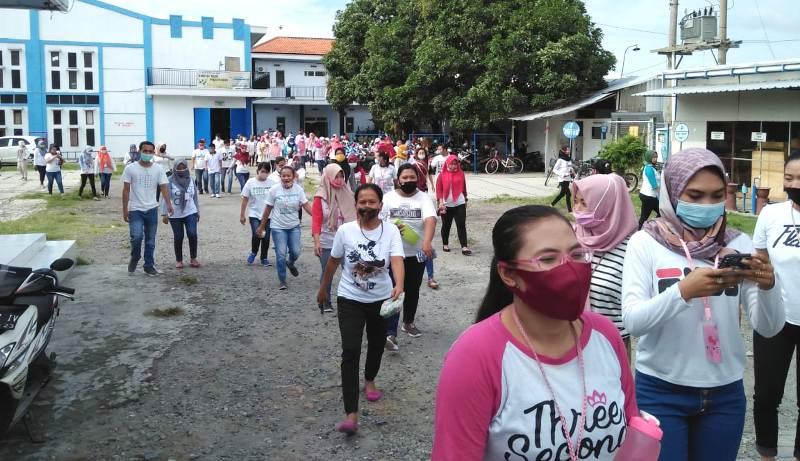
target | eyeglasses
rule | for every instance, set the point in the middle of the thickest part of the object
(550, 260)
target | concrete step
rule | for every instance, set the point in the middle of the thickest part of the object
(54, 250)
(17, 249)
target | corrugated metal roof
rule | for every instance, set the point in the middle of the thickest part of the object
(725, 88)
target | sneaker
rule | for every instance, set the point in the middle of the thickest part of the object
(250, 258)
(265, 262)
(151, 271)
(411, 330)
(391, 344)
(283, 286)
(132, 266)
(293, 270)
(96, 198)
(327, 308)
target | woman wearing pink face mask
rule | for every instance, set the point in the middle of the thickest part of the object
(604, 220)
(537, 377)
(333, 206)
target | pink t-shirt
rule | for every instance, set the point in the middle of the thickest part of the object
(492, 403)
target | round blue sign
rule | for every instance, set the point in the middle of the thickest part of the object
(681, 132)
(571, 130)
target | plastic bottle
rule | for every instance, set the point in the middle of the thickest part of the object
(642, 440)
(408, 233)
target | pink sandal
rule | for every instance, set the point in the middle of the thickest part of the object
(195, 264)
(373, 396)
(347, 427)
(179, 265)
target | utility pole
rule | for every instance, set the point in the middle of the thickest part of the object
(723, 31)
(673, 30)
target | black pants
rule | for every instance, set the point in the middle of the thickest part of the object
(649, 205)
(353, 317)
(772, 358)
(565, 192)
(256, 241)
(413, 280)
(90, 178)
(41, 169)
(189, 223)
(459, 213)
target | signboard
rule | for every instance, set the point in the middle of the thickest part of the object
(223, 79)
(717, 135)
(758, 137)
(681, 132)
(571, 130)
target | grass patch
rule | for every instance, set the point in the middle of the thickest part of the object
(81, 261)
(188, 280)
(310, 187)
(164, 312)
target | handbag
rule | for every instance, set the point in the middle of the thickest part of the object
(391, 306)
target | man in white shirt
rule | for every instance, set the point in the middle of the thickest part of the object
(214, 167)
(140, 206)
(218, 142)
(200, 167)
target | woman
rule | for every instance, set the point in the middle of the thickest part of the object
(364, 248)
(340, 159)
(537, 376)
(53, 161)
(333, 206)
(451, 192)
(287, 198)
(87, 166)
(241, 160)
(690, 355)
(186, 212)
(38, 161)
(564, 174)
(161, 157)
(22, 160)
(383, 174)
(604, 220)
(420, 162)
(254, 201)
(133, 155)
(412, 211)
(776, 238)
(105, 166)
(648, 191)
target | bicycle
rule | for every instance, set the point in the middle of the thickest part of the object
(510, 164)
(551, 164)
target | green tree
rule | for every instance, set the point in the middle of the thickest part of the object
(625, 154)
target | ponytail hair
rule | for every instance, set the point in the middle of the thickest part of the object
(508, 237)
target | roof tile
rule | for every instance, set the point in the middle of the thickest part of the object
(295, 45)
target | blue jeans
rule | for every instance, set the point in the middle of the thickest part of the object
(178, 225)
(429, 268)
(698, 423)
(143, 226)
(215, 181)
(287, 249)
(325, 255)
(242, 178)
(55, 175)
(321, 165)
(201, 180)
(105, 183)
(227, 172)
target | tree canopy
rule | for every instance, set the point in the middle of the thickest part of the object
(418, 62)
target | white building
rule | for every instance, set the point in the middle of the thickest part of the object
(104, 75)
(290, 72)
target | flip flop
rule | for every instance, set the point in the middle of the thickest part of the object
(433, 284)
(466, 252)
(446, 249)
(347, 427)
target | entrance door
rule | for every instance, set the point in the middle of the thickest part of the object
(280, 79)
(220, 122)
(316, 125)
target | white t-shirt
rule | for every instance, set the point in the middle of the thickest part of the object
(51, 167)
(413, 211)
(670, 330)
(285, 205)
(38, 156)
(780, 236)
(366, 255)
(563, 170)
(383, 177)
(241, 168)
(256, 193)
(275, 176)
(199, 156)
(438, 163)
(214, 162)
(227, 157)
(450, 203)
(143, 181)
(175, 192)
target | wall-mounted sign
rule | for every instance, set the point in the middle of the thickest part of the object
(717, 135)
(758, 137)
(223, 79)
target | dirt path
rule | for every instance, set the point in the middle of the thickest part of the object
(246, 372)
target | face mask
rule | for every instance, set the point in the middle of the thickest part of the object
(408, 187)
(340, 158)
(794, 194)
(182, 173)
(421, 156)
(586, 219)
(368, 214)
(337, 183)
(699, 216)
(146, 158)
(559, 293)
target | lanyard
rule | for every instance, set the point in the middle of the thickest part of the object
(572, 448)
(706, 301)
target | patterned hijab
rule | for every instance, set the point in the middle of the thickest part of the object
(669, 230)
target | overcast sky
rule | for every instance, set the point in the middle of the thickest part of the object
(753, 21)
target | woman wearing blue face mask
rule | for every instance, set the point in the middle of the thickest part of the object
(685, 310)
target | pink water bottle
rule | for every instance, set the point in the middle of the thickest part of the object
(642, 440)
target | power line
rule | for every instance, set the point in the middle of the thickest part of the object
(760, 19)
(630, 28)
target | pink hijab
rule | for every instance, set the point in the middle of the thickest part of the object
(606, 195)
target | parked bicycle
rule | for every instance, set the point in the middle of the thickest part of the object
(509, 164)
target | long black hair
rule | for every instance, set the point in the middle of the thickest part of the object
(508, 237)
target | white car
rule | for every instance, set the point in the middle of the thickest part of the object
(10, 144)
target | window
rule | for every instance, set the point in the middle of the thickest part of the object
(55, 59)
(87, 59)
(56, 117)
(58, 138)
(15, 79)
(92, 99)
(73, 117)
(2, 133)
(90, 137)
(65, 99)
(2, 117)
(17, 131)
(597, 132)
(73, 79)
(319, 73)
(14, 57)
(1, 76)
(17, 114)
(280, 79)
(308, 73)
(72, 60)
(55, 79)
(1, 57)
(79, 99)
(89, 117)
(280, 123)
(349, 124)
(6, 98)
(74, 139)
(88, 81)
(20, 99)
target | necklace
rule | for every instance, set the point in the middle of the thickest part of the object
(365, 235)
(572, 448)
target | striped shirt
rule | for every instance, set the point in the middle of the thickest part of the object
(605, 293)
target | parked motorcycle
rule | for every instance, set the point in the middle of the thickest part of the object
(28, 307)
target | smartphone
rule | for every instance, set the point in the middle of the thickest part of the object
(735, 260)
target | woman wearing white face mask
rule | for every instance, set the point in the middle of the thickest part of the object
(685, 310)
